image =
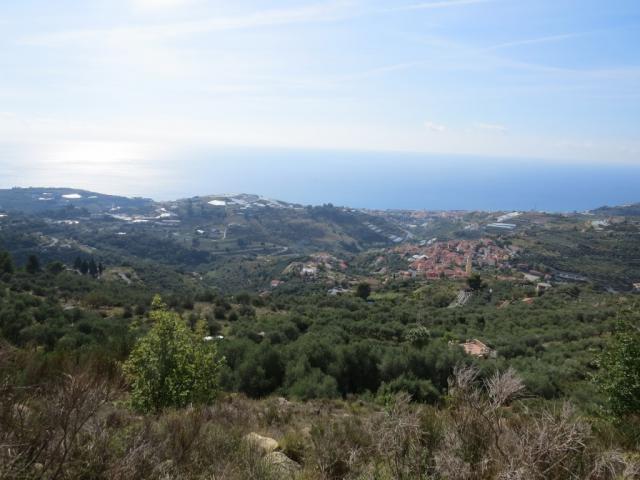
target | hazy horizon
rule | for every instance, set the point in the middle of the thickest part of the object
(137, 79)
(357, 179)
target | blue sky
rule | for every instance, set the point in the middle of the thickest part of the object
(119, 83)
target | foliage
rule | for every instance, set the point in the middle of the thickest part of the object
(172, 366)
(363, 290)
(33, 264)
(6, 263)
(475, 282)
(619, 376)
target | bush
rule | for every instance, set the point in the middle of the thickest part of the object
(420, 390)
(363, 290)
(172, 366)
(619, 379)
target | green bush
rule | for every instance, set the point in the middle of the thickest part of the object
(172, 366)
(619, 379)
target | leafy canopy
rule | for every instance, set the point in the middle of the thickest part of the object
(619, 375)
(172, 366)
(363, 290)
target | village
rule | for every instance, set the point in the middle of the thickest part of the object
(453, 259)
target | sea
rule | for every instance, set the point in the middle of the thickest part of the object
(374, 180)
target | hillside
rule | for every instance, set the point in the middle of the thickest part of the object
(244, 242)
(34, 200)
(352, 343)
(247, 236)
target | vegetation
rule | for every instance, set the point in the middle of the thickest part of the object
(620, 367)
(363, 291)
(172, 366)
(355, 373)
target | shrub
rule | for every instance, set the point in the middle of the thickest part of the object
(420, 390)
(172, 366)
(620, 368)
(363, 290)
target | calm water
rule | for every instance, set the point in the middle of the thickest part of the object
(372, 180)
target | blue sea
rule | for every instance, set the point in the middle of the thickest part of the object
(407, 181)
(357, 179)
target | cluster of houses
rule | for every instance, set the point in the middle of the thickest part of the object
(453, 259)
(315, 265)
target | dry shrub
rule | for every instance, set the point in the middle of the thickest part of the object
(339, 445)
(552, 445)
(72, 428)
(190, 443)
(294, 445)
(614, 464)
(136, 456)
(485, 440)
(398, 433)
(52, 433)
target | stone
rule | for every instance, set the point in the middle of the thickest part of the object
(264, 444)
(282, 465)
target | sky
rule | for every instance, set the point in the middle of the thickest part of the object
(126, 88)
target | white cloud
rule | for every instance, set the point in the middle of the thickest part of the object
(318, 12)
(492, 127)
(434, 127)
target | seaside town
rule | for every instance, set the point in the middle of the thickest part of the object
(453, 259)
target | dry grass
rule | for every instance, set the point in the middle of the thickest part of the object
(79, 427)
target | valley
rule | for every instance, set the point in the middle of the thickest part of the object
(318, 308)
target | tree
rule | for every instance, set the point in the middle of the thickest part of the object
(55, 267)
(363, 290)
(93, 268)
(418, 336)
(172, 366)
(475, 282)
(619, 377)
(84, 267)
(6, 263)
(33, 264)
(261, 371)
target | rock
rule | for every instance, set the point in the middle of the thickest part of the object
(283, 402)
(264, 444)
(282, 465)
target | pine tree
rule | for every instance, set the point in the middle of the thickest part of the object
(93, 268)
(6, 263)
(33, 264)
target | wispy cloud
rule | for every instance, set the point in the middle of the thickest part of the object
(491, 127)
(533, 41)
(317, 12)
(439, 4)
(434, 127)
(159, 4)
